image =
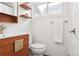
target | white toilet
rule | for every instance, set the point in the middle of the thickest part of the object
(38, 49)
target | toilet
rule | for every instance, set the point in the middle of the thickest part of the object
(38, 49)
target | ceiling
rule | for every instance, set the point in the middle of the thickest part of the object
(38, 3)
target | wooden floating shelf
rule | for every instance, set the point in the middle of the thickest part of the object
(25, 16)
(4, 18)
(25, 6)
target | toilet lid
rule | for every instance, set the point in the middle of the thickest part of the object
(38, 45)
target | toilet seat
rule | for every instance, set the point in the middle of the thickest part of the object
(38, 46)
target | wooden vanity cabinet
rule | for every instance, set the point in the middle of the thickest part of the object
(8, 13)
(7, 46)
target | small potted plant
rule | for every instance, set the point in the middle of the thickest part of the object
(2, 27)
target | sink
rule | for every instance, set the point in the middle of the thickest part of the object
(11, 35)
(5, 35)
(1, 36)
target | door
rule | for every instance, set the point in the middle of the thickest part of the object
(75, 29)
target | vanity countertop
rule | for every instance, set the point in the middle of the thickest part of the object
(2, 36)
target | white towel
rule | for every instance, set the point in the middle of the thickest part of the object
(58, 30)
(30, 39)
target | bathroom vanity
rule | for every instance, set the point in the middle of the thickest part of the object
(15, 46)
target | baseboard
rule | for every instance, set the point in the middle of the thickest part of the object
(45, 55)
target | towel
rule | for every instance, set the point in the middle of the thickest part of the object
(58, 31)
(30, 39)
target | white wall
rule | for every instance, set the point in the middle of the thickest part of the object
(15, 29)
(42, 32)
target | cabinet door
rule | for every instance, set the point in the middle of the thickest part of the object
(15, 11)
(5, 9)
(8, 9)
(7, 50)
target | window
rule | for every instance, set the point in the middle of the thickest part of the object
(42, 9)
(54, 8)
(39, 9)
